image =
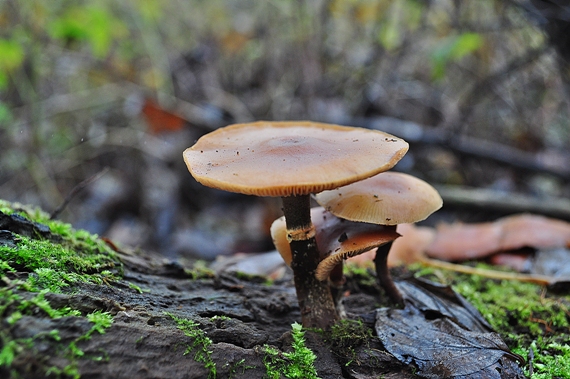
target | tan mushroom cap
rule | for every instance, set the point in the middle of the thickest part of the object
(389, 198)
(290, 157)
(337, 239)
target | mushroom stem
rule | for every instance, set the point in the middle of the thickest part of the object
(383, 274)
(315, 299)
(336, 284)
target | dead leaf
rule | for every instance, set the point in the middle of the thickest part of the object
(424, 335)
(535, 231)
(428, 296)
(234, 41)
(159, 119)
(459, 242)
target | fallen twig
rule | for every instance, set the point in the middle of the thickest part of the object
(552, 163)
(75, 191)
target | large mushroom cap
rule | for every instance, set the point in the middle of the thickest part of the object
(389, 198)
(290, 158)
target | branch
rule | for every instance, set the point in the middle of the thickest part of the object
(550, 162)
(502, 201)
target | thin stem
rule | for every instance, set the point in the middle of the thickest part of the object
(383, 274)
(314, 297)
(336, 285)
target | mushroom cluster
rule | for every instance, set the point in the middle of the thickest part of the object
(338, 239)
(387, 200)
(293, 160)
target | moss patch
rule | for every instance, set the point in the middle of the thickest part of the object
(33, 265)
(78, 257)
(345, 336)
(200, 343)
(14, 306)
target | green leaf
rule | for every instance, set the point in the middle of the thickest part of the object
(11, 57)
(94, 25)
(464, 44)
(452, 50)
(5, 112)
(8, 353)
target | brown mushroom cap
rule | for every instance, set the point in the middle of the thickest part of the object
(337, 239)
(389, 198)
(290, 158)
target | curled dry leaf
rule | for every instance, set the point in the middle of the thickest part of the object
(459, 242)
(159, 119)
(440, 348)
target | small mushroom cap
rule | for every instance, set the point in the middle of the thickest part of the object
(337, 239)
(279, 235)
(290, 158)
(389, 198)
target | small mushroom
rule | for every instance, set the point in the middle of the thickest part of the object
(293, 160)
(389, 198)
(338, 239)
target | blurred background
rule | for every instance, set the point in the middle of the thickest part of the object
(98, 99)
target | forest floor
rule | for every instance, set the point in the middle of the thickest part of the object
(88, 309)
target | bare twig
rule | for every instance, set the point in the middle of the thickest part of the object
(75, 191)
(542, 280)
(547, 163)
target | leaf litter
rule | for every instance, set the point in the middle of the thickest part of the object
(443, 336)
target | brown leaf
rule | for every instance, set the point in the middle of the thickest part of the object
(458, 242)
(159, 119)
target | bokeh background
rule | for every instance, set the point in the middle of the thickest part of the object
(98, 99)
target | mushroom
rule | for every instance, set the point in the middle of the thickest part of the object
(292, 160)
(389, 198)
(338, 239)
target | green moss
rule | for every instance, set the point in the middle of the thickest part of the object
(14, 306)
(253, 278)
(50, 265)
(297, 364)
(78, 257)
(220, 318)
(200, 270)
(54, 266)
(525, 314)
(200, 343)
(32, 254)
(555, 364)
(345, 336)
(239, 368)
(364, 275)
(507, 304)
(137, 288)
